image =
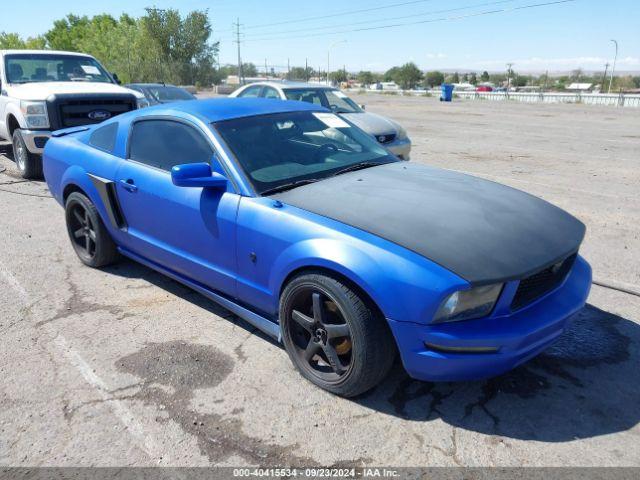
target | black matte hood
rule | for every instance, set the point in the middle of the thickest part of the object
(480, 230)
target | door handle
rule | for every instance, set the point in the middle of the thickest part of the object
(129, 185)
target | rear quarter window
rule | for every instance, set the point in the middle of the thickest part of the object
(104, 138)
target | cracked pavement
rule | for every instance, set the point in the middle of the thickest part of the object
(124, 367)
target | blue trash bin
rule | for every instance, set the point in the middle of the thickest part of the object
(447, 92)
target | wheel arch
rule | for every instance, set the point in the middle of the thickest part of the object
(69, 189)
(12, 124)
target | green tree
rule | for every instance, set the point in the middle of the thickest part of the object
(455, 78)
(366, 78)
(473, 79)
(390, 74)
(300, 73)
(407, 76)
(434, 79)
(11, 41)
(485, 76)
(249, 70)
(338, 76)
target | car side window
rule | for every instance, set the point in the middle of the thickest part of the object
(104, 138)
(269, 92)
(253, 91)
(165, 143)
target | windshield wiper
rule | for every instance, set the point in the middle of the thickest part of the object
(288, 186)
(357, 166)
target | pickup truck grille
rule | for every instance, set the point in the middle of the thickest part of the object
(73, 110)
(538, 284)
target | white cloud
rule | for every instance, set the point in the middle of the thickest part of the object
(431, 56)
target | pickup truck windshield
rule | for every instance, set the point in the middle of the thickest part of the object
(284, 150)
(44, 67)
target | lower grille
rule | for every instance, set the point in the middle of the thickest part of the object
(538, 284)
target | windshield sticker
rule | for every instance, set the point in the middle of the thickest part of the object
(90, 69)
(340, 94)
(331, 120)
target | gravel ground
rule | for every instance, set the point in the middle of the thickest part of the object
(121, 366)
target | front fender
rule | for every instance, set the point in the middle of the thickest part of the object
(404, 286)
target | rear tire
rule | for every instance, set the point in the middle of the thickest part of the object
(89, 237)
(333, 337)
(29, 164)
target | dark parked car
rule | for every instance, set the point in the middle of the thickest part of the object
(157, 93)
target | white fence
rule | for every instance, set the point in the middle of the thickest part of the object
(615, 100)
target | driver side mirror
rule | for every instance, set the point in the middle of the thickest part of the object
(361, 106)
(115, 77)
(197, 175)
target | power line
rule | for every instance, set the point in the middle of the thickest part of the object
(365, 22)
(434, 20)
(339, 14)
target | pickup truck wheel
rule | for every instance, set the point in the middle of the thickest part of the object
(333, 337)
(89, 237)
(29, 164)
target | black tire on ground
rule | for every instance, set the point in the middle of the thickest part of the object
(89, 237)
(29, 164)
(334, 337)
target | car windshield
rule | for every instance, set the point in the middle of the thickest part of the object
(283, 150)
(169, 94)
(329, 98)
(46, 67)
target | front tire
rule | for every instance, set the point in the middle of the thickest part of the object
(89, 237)
(29, 164)
(333, 337)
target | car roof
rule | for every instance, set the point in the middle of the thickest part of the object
(151, 85)
(219, 109)
(44, 52)
(286, 85)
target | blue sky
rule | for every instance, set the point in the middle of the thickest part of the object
(556, 37)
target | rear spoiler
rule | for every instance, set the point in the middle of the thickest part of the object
(68, 131)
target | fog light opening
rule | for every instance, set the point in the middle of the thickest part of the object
(448, 349)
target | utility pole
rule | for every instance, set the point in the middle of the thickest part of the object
(240, 75)
(288, 69)
(613, 69)
(509, 65)
(604, 77)
(266, 72)
(306, 70)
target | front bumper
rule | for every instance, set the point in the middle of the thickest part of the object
(35, 140)
(516, 337)
(400, 148)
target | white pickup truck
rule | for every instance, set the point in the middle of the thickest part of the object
(43, 90)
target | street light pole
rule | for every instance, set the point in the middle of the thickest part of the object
(613, 68)
(329, 52)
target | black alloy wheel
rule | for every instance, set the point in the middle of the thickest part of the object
(320, 333)
(334, 336)
(89, 237)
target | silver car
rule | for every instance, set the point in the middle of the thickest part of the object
(385, 130)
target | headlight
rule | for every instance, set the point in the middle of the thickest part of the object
(466, 304)
(142, 102)
(35, 114)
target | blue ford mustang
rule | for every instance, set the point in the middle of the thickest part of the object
(303, 225)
